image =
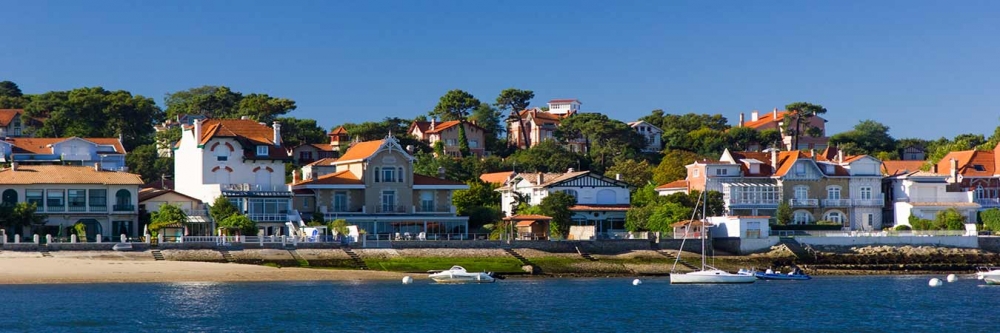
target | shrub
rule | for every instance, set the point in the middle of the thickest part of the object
(903, 227)
(990, 219)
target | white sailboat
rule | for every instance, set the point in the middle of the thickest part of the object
(707, 274)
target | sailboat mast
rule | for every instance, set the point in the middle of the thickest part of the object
(703, 218)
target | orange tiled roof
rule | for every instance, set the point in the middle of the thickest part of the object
(593, 207)
(339, 131)
(527, 217)
(150, 193)
(323, 161)
(340, 178)
(361, 150)
(766, 118)
(674, 184)
(65, 174)
(540, 115)
(7, 115)
(42, 145)
(496, 177)
(237, 128)
(427, 180)
(896, 167)
(968, 160)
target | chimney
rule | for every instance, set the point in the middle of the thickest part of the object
(954, 170)
(774, 159)
(753, 115)
(295, 177)
(618, 176)
(840, 156)
(569, 170)
(433, 123)
(812, 153)
(277, 134)
(13, 166)
(933, 168)
(441, 172)
(540, 178)
(741, 120)
(97, 166)
(197, 131)
(245, 118)
(774, 115)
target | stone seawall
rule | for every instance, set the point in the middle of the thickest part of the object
(594, 247)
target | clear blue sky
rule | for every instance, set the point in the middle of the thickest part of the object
(926, 69)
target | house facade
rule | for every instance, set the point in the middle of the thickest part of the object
(974, 171)
(447, 133)
(652, 134)
(776, 120)
(376, 189)
(541, 125)
(924, 194)
(106, 153)
(242, 160)
(199, 220)
(601, 201)
(104, 201)
(12, 123)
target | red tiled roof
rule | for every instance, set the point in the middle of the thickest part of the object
(766, 118)
(692, 222)
(540, 115)
(967, 162)
(150, 193)
(674, 184)
(340, 178)
(43, 145)
(7, 115)
(528, 217)
(427, 180)
(237, 128)
(895, 167)
(593, 207)
(160, 184)
(425, 126)
(361, 150)
(339, 131)
(496, 177)
(65, 174)
(323, 161)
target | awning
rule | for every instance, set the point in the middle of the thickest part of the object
(196, 219)
(525, 223)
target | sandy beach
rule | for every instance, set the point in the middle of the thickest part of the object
(84, 270)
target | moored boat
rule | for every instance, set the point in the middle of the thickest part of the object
(991, 275)
(458, 274)
(707, 274)
(794, 275)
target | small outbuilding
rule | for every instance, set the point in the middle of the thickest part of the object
(527, 227)
(691, 229)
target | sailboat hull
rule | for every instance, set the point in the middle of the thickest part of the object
(711, 277)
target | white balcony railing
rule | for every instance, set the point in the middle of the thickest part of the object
(876, 201)
(803, 202)
(988, 202)
(760, 202)
(836, 202)
(428, 209)
(254, 188)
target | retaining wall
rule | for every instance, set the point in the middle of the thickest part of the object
(690, 245)
(595, 247)
(989, 243)
(943, 241)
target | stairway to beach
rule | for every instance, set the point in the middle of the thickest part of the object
(668, 254)
(524, 261)
(45, 251)
(157, 255)
(226, 255)
(585, 255)
(360, 264)
(797, 249)
(295, 254)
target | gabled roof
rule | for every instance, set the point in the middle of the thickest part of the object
(425, 126)
(339, 178)
(8, 115)
(674, 185)
(971, 163)
(600, 207)
(323, 162)
(247, 129)
(361, 150)
(498, 178)
(44, 145)
(527, 217)
(319, 146)
(640, 122)
(896, 167)
(65, 174)
(538, 114)
(150, 193)
(766, 118)
(339, 131)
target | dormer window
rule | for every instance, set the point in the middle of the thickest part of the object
(261, 150)
(978, 167)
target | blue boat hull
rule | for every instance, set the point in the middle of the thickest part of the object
(794, 277)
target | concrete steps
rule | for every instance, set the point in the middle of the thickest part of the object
(157, 255)
(797, 249)
(358, 262)
(295, 254)
(681, 262)
(226, 255)
(585, 255)
(45, 251)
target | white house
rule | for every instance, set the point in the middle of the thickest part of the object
(108, 153)
(601, 201)
(198, 218)
(924, 194)
(740, 226)
(104, 201)
(653, 135)
(242, 160)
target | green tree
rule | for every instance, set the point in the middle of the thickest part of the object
(665, 215)
(222, 208)
(264, 108)
(491, 120)
(481, 203)
(339, 226)
(556, 205)
(637, 218)
(10, 89)
(21, 214)
(741, 138)
(784, 213)
(223, 103)
(239, 223)
(11, 96)
(949, 219)
(463, 142)
(455, 105)
(605, 138)
(168, 216)
(770, 138)
(801, 112)
(990, 219)
(514, 101)
(920, 224)
(298, 131)
(672, 166)
(547, 156)
(868, 137)
(146, 162)
(635, 173)
(95, 112)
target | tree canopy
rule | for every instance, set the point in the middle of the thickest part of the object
(96, 112)
(168, 215)
(868, 137)
(223, 102)
(605, 138)
(455, 105)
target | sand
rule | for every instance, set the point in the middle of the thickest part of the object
(86, 270)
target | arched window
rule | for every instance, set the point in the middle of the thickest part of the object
(802, 217)
(834, 216)
(979, 192)
(606, 197)
(123, 200)
(9, 197)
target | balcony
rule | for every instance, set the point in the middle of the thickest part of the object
(836, 202)
(876, 201)
(988, 202)
(432, 209)
(754, 202)
(238, 190)
(803, 202)
(390, 209)
(269, 217)
(124, 208)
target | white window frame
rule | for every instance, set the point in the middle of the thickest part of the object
(261, 150)
(866, 193)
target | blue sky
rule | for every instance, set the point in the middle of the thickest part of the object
(926, 69)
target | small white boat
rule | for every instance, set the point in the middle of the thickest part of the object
(458, 274)
(989, 274)
(713, 276)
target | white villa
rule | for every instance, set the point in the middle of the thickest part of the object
(924, 194)
(653, 135)
(601, 201)
(242, 160)
(107, 153)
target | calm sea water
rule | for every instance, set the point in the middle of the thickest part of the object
(825, 304)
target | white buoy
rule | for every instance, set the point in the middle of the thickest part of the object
(636, 282)
(935, 282)
(407, 280)
(952, 278)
